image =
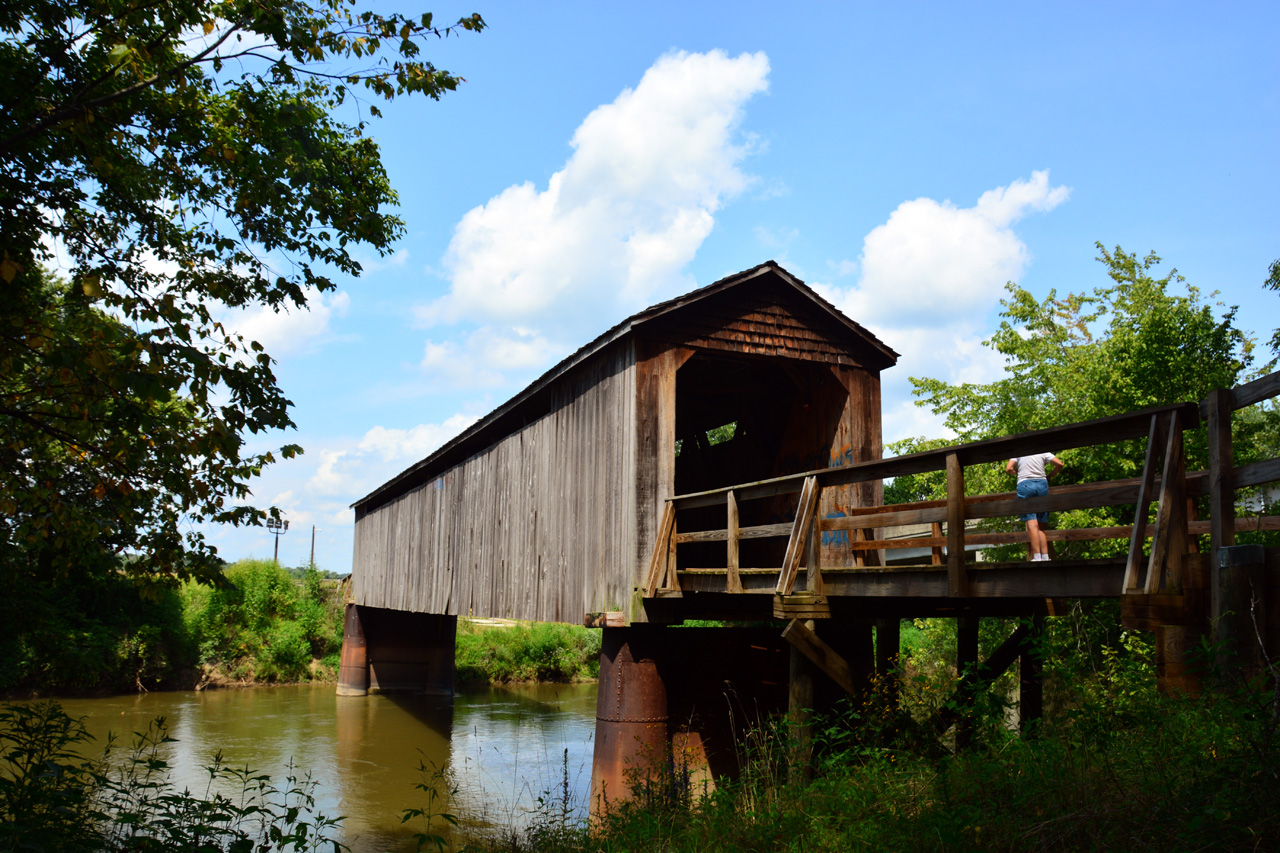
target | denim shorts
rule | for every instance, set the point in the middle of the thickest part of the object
(1034, 489)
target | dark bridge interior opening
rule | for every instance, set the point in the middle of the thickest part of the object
(745, 418)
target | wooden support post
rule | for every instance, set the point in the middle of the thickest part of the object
(1030, 680)
(966, 664)
(735, 580)
(800, 530)
(813, 550)
(673, 577)
(859, 557)
(935, 530)
(800, 708)
(1155, 444)
(1240, 578)
(888, 645)
(975, 676)
(1169, 541)
(661, 548)
(1222, 492)
(957, 577)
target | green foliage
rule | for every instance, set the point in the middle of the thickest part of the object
(1127, 345)
(186, 158)
(538, 651)
(1273, 283)
(52, 798)
(1116, 766)
(436, 786)
(261, 624)
(96, 631)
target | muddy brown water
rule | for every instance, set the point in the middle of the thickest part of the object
(502, 749)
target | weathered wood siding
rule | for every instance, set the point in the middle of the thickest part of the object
(541, 525)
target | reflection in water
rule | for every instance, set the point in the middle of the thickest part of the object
(503, 747)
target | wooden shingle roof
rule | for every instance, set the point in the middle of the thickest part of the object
(872, 353)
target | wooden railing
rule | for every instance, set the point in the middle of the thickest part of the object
(1164, 482)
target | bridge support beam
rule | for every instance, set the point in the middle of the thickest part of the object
(1030, 679)
(353, 671)
(676, 703)
(888, 647)
(966, 665)
(395, 650)
(1240, 618)
(631, 714)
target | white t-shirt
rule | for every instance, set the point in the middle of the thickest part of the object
(1032, 467)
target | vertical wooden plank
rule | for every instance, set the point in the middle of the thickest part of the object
(800, 712)
(1222, 492)
(673, 576)
(888, 648)
(1155, 444)
(658, 562)
(966, 661)
(669, 362)
(957, 577)
(935, 530)
(813, 547)
(799, 535)
(1030, 682)
(734, 583)
(1169, 542)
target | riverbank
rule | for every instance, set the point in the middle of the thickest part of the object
(106, 634)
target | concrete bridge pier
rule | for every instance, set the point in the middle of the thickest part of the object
(395, 650)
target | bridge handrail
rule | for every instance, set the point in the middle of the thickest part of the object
(1066, 437)
(1163, 476)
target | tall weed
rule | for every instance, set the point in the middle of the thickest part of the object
(54, 799)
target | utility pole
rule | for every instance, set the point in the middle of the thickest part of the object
(313, 546)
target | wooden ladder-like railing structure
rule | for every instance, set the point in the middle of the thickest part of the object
(1161, 584)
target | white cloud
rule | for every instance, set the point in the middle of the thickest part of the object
(934, 263)
(614, 228)
(286, 332)
(487, 357)
(929, 279)
(349, 470)
(318, 488)
(932, 274)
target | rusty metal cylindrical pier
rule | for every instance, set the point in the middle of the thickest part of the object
(353, 670)
(631, 715)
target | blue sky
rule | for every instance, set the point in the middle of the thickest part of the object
(905, 159)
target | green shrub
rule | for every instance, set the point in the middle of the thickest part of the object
(263, 624)
(97, 630)
(538, 651)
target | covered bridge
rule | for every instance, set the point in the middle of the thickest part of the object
(718, 456)
(548, 508)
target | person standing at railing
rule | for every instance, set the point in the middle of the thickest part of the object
(1033, 482)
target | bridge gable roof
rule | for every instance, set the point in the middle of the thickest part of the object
(820, 331)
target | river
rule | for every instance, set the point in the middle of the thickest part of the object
(501, 748)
